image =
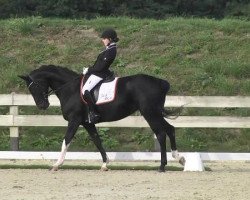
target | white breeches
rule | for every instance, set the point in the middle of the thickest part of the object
(91, 83)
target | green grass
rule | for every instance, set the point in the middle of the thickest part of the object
(197, 56)
(211, 57)
(94, 167)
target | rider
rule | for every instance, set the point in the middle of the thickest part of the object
(99, 71)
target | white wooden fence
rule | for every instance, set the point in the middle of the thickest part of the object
(13, 120)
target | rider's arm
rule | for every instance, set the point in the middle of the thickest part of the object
(103, 61)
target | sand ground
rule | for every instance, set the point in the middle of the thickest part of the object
(226, 181)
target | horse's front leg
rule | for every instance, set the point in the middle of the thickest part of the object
(98, 143)
(71, 130)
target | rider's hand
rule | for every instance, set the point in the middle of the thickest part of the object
(85, 70)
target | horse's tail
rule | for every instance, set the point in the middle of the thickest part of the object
(172, 113)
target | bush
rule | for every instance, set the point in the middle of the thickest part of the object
(140, 8)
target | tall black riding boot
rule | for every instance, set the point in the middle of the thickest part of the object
(93, 115)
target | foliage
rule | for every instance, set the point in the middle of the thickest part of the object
(108, 141)
(197, 56)
(210, 56)
(143, 139)
(216, 140)
(37, 139)
(4, 139)
(139, 8)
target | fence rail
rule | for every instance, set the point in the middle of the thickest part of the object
(119, 156)
(14, 99)
(13, 120)
(131, 121)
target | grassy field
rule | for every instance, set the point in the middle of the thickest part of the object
(197, 56)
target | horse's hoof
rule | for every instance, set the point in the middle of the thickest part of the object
(104, 169)
(54, 169)
(162, 169)
(182, 161)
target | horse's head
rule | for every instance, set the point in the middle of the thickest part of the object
(39, 90)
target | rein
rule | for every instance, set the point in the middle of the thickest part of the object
(51, 91)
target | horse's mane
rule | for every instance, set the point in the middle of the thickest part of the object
(57, 69)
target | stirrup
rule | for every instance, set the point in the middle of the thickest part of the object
(93, 118)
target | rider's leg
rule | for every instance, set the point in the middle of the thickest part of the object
(88, 86)
(93, 115)
(91, 83)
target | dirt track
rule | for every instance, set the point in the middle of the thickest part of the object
(227, 181)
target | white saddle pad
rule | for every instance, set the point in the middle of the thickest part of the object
(107, 92)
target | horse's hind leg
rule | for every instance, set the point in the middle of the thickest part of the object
(161, 136)
(158, 125)
(171, 134)
(98, 143)
(161, 127)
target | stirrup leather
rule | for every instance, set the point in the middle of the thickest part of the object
(93, 117)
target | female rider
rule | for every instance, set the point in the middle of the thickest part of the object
(99, 71)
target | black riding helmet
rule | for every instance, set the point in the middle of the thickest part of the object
(110, 34)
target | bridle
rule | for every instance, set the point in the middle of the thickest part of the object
(51, 91)
(45, 94)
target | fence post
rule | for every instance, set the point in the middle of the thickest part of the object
(14, 131)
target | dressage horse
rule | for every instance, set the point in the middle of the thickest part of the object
(137, 92)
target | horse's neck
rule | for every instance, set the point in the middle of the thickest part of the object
(62, 85)
(56, 79)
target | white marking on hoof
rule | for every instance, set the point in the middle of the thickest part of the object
(175, 154)
(104, 167)
(179, 158)
(61, 157)
(54, 168)
(107, 161)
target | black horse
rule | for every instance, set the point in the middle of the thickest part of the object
(138, 92)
